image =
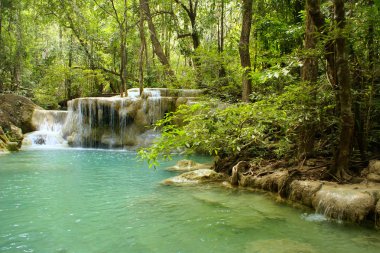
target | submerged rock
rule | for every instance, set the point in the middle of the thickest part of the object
(278, 246)
(195, 177)
(188, 165)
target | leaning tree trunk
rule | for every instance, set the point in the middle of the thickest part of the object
(158, 50)
(345, 97)
(310, 76)
(244, 49)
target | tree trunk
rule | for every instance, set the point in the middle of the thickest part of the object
(1, 24)
(370, 81)
(244, 49)
(191, 12)
(144, 4)
(141, 53)
(345, 98)
(1, 41)
(122, 67)
(18, 57)
(222, 70)
(309, 75)
(68, 80)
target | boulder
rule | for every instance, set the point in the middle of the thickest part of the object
(12, 146)
(344, 202)
(273, 181)
(195, 177)
(17, 111)
(188, 165)
(304, 191)
(377, 215)
(374, 167)
(373, 171)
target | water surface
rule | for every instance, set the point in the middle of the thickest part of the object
(106, 201)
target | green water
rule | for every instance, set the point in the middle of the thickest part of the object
(106, 201)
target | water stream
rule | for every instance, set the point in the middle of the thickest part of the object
(75, 200)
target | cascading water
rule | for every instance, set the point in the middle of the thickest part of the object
(49, 129)
(113, 122)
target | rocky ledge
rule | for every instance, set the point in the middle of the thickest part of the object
(359, 202)
(15, 119)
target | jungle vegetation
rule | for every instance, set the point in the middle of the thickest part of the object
(284, 79)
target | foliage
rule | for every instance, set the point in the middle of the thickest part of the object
(268, 127)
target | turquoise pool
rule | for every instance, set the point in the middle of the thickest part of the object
(83, 201)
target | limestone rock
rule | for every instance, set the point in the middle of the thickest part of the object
(373, 177)
(17, 111)
(304, 191)
(12, 146)
(188, 165)
(343, 203)
(195, 177)
(374, 167)
(270, 182)
(377, 215)
(239, 168)
(278, 246)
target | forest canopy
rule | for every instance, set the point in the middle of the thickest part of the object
(292, 78)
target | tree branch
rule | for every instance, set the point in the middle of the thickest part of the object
(181, 36)
(189, 12)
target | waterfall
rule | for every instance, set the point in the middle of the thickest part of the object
(49, 129)
(108, 122)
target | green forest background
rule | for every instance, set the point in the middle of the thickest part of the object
(295, 79)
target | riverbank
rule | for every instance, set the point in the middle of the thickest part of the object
(354, 202)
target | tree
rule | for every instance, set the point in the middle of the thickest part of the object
(158, 50)
(345, 97)
(244, 49)
(309, 75)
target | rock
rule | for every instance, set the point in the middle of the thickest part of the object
(377, 215)
(188, 165)
(181, 101)
(17, 111)
(372, 173)
(304, 191)
(239, 168)
(374, 167)
(278, 246)
(273, 181)
(195, 177)
(344, 203)
(12, 146)
(373, 177)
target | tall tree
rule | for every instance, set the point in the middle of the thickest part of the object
(158, 50)
(310, 76)
(245, 59)
(345, 97)
(191, 11)
(142, 50)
